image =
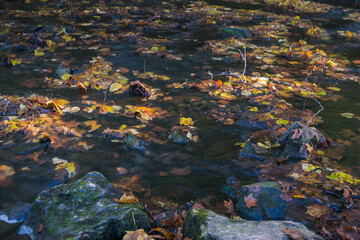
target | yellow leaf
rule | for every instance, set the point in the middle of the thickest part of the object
(92, 124)
(254, 109)
(66, 76)
(69, 166)
(62, 102)
(38, 53)
(282, 122)
(336, 89)
(68, 38)
(115, 86)
(186, 121)
(227, 96)
(347, 115)
(242, 144)
(15, 62)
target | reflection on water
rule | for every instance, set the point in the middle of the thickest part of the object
(178, 173)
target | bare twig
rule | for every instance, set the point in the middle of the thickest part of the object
(146, 71)
(7, 104)
(308, 94)
(232, 73)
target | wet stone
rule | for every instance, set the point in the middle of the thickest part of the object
(262, 201)
(84, 209)
(236, 32)
(203, 224)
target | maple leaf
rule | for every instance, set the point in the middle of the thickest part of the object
(250, 201)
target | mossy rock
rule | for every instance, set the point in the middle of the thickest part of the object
(85, 209)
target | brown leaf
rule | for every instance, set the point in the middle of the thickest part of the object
(40, 228)
(137, 235)
(229, 208)
(250, 201)
(125, 199)
(174, 222)
(297, 133)
(317, 210)
(294, 234)
(181, 171)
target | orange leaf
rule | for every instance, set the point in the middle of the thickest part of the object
(250, 201)
(125, 199)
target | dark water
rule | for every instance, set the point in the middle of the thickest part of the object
(213, 160)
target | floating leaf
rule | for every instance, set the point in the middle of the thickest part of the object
(15, 62)
(336, 89)
(282, 122)
(242, 144)
(317, 210)
(227, 96)
(322, 93)
(38, 53)
(92, 124)
(66, 76)
(68, 166)
(115, 86)
(186, 121)
(347, 115)
(344, 177)
(6, 171)
(254, 109)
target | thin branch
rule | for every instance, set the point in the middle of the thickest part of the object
(7, 104)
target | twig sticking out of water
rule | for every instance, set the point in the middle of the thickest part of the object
(319, 103)
(232, 73)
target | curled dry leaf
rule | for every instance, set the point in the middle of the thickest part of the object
(125, 199)
(137, 235)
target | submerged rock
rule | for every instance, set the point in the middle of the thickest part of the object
(236, 32)
(249, 152)
(203, 224)
(262, 201)
(84, 209)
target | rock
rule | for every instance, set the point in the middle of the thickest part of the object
(203, 224)
(84, 209)
(249, 152)
(236, 32)
(132, 142)
(262, 201)
(63, 69)
(178, 137)
(16, 213)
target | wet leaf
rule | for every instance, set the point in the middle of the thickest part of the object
(186, 121)
(347, 115)
(137, 235)
(92, 124)
(6, 171)
(294, 234)
(68, 166)
(282, 122)
(317, 210)
(115, 86)
(126, 199)
(250, 201)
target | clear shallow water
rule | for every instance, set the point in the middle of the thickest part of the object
(210, 163)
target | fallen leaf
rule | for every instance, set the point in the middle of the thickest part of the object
(347, 115)
(317, 210)
(137, 235)
(250, 201)
(181, 171)
(294, 234)
(125, 199)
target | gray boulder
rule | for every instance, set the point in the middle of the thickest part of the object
(85, 209)
(262, 201)
(203, 224)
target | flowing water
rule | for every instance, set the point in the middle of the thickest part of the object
(205, 166)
